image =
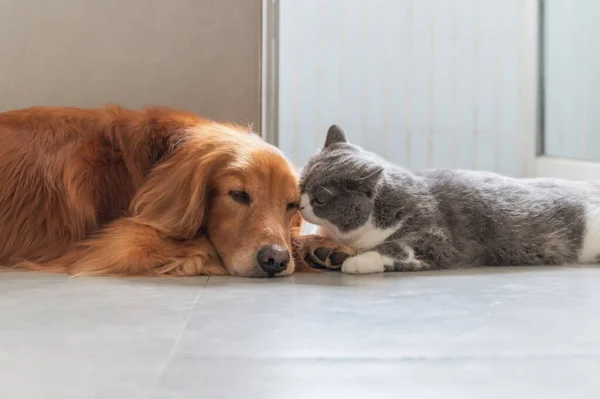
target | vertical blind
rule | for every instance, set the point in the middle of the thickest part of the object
(424, 83)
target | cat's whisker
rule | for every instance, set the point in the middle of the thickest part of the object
(371, 175)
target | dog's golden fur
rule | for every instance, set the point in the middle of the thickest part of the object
(112, 191)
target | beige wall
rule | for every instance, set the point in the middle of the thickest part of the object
(201, 55)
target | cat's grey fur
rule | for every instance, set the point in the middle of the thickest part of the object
(446, 218)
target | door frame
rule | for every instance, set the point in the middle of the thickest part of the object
(270, 72)
(530, 84)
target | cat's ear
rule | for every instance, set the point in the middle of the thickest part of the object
(371, 180)
(335, 135)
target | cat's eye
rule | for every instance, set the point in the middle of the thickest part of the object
(292, 205)
(241, 197)
(322, 195)
(322, 198)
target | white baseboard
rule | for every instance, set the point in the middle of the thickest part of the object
(567, 168)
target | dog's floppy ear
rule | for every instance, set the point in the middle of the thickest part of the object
(173, 199)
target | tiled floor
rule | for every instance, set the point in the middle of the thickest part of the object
(488, 333)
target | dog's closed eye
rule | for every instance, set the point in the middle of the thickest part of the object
(241, 197)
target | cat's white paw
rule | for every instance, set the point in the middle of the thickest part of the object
(368, 262)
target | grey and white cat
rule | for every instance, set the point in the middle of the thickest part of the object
(400, 220)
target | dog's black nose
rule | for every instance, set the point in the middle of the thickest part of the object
(273, 259)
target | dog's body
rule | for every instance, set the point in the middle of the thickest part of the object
(118, 192)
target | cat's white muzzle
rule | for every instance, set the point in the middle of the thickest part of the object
(307, 212)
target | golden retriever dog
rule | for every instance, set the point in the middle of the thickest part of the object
(112, 191)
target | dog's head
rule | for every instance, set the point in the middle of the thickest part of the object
(226, 183)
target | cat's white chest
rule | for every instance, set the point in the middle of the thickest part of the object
(367, 236)
(363, 238)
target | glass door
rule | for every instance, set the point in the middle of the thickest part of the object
(569, 142)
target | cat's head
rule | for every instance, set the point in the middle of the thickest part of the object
(338, 184)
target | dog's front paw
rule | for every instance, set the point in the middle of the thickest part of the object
(368, 262)
(319, 252)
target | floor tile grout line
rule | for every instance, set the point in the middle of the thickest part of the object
(401, 359)
(205, 283)
(175, 346)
